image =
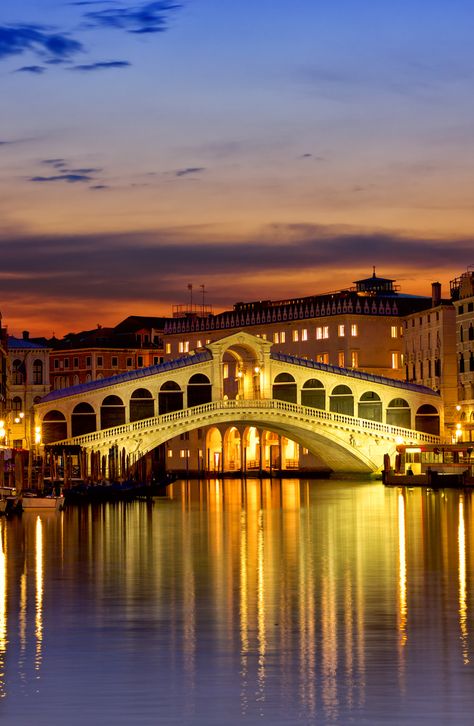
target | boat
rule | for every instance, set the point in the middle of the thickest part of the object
(32, 502)
(431, 465)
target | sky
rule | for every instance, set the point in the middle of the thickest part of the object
(261, 148)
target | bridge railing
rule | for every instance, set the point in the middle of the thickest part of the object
(298, 411)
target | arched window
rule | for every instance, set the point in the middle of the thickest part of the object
(170, 398)
(54, 427)
(370, 406)
(75, 380)
(398, 413)
(199, 390)
(313, 394)
(112, 412)
(471, 332)
(461, 363)
(83, 419)
(38, 372)
(342, 400)
(18, 373)
(427, 419)
(284, 388)
(142, 405)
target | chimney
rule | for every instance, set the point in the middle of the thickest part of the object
(26, 335)
(435, 294)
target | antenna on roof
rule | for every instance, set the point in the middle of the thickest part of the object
(373, 267)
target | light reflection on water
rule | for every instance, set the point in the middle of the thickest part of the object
(241, 602)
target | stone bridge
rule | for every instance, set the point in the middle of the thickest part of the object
(347, 418)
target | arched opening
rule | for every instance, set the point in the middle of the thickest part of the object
(83, 420)
(313, 394)
(399, 413)
(427, 419)
(38, 372)
(232, 449)
(241, 373)
(170, 398)
(199, 390)
(54, 427)
(252, 449)
(271, 451)
(342, 401)
(18, 372)
(112, 412)
(284, 388)
(370, 406)
(142, 405)
(213, 449)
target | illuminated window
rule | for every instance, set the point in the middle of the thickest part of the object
(354, 330)
(264, 336)
(341, 331)
(208, 340)
(394, 331)
(199, 344)
(319, 333)
(395, 360)
(322, 358)
(226, 370)
(276, 337)
(183, 346)
(326, 331)
(295, 336)
(168, 348)
(282, 336)
(304, 334)
(340, 359)
(354, 358)
(170, 453)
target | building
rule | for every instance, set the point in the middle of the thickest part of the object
(462, 292)
(430, 350)
(3, 369)
(28, 382)
(360, 327)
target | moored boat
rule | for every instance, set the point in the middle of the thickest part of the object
(34, 502)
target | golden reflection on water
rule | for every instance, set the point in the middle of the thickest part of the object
(39, 592)
(402, 570)
(463, 615)
(3, 609)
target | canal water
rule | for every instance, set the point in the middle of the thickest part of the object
(272, 602)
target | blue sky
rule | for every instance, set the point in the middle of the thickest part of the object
(259, 148)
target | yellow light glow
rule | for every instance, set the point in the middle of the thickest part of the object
(462, 582)
(414, 450)
(399, 440)
(402, 576)
(39, 592)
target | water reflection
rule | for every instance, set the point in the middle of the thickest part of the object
(278, 602)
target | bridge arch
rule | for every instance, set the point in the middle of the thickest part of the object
(142, 404)
(112, 412)
(83, 419)
(399, 413)
(427, 419)
(54, 427)
(232, 447)
(342, 400)
(313, 394)
(370, 406)
(199, 390)
(170, 397)
(285, 388)
(214, 449)
(240, 363)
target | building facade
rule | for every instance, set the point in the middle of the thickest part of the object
(462, 291)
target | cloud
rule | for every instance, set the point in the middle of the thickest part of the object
(190, 170)
(57, 163)
(148, 17)
(70, 178)
(16, 39)
(37, 70)
(100, 66)
(97, 187)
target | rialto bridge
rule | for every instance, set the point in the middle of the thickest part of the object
(244, 400)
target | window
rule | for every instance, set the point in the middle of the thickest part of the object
(395, 360)
(394, 331)
(225, 371)
(156, 360)
(181, 346)
(16, 404)
(88, 361)
(199, 344)
(304, 334)
(326, 331)
(354, 358)
(264, 336)
(100, 361)
(66, 362)
(75, 362)
(37, 372)
(56, 364)
(341, 331)
(295, 336)
(114, 361)
(319, 333)
(170, 453)
(282, 336)
(322, 358)
(461, 310)
(168, 348)
(341, 359)
(276, 337)
(354, 330)
(140, 361)
(129, 362)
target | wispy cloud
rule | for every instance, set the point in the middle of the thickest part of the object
(148, 17)
(36, 70)
(70, 178)
(100, 66)
(190, 170)
(40, 39)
